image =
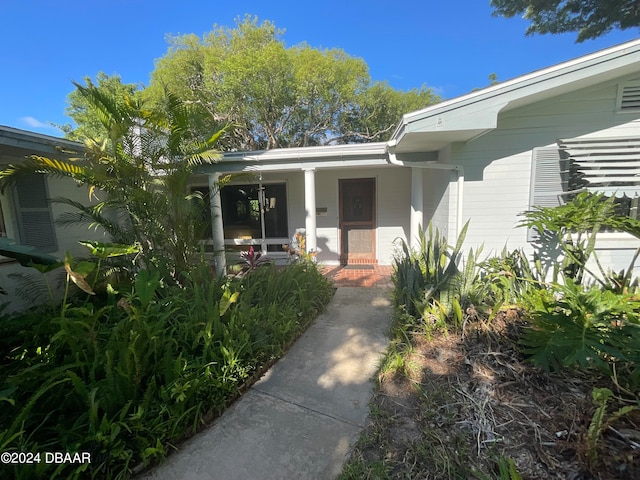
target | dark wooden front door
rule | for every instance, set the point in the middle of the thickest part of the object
(357, 221)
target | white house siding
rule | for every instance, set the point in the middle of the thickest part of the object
(69, 236)
(498, 164)
(67, 241)
(436, 200)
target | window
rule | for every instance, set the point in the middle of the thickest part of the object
(600, 165)
(252, 214)
(606, 165)
(30, 218)
(241, 214)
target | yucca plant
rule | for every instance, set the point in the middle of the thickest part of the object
(429, 281)
(424, 273)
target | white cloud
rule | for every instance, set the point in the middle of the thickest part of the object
(32, 122)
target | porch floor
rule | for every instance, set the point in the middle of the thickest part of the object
(359, 275)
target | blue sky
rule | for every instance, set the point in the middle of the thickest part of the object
(450, 46)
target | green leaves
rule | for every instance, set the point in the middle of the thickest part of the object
(581, 327)
(572, 229)
(28, 256)
(228, 299)
(589, 19)
(276, 96)
(78, 273)
(108, 250)
(430, 277)
(141, 374)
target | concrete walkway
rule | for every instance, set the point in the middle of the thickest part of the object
(301, 418)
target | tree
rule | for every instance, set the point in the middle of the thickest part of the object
(376, 111)
(273, 96)
(591, 18)
(85, 115)
(142, 166)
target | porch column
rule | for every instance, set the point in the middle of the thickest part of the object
(216, 224)
(417, 205)
(310, 207)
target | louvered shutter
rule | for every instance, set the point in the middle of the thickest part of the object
(549, 181)
(608, 165)
(629, 98)
(33, 212)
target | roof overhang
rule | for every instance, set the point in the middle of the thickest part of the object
(16, 143)
(303, 158)
(467, 117)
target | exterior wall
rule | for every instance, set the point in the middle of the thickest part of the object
(437, 200)
(67, 241)
(498, 164)
(68, 237)
(392, 210)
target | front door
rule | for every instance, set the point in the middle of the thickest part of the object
(357, 221)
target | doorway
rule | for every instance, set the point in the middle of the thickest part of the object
(357, 221)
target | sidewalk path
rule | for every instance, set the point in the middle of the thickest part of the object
(301, 418)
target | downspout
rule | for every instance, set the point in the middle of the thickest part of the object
(459, 169)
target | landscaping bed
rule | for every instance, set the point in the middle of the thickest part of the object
(511, 366)
(125, 378)
(463, 406)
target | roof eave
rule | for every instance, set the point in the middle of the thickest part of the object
(480, 109)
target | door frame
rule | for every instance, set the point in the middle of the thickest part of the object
(345, 257)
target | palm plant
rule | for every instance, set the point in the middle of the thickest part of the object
(137, 177)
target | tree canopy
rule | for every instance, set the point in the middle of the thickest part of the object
(87, 116)
(266, 94)
(590, 18)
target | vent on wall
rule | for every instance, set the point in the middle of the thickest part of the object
(629, 97)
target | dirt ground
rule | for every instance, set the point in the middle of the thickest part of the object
(469, 406)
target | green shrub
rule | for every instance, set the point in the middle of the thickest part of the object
(127, 379)
(587, 327)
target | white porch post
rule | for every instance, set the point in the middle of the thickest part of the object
(310, 207)
(216, 224)
(417, 205)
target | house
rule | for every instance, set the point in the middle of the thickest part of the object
(486, 157)
(26, 213)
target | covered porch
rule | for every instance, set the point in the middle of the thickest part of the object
(352, 203)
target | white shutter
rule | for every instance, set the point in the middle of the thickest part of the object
(549, 181)
(608, 165)
(33, 212)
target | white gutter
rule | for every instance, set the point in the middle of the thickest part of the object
(459, 169)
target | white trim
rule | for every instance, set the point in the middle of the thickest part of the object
(616, 241)
(463, 118)
(417, 206)
(310, 207)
